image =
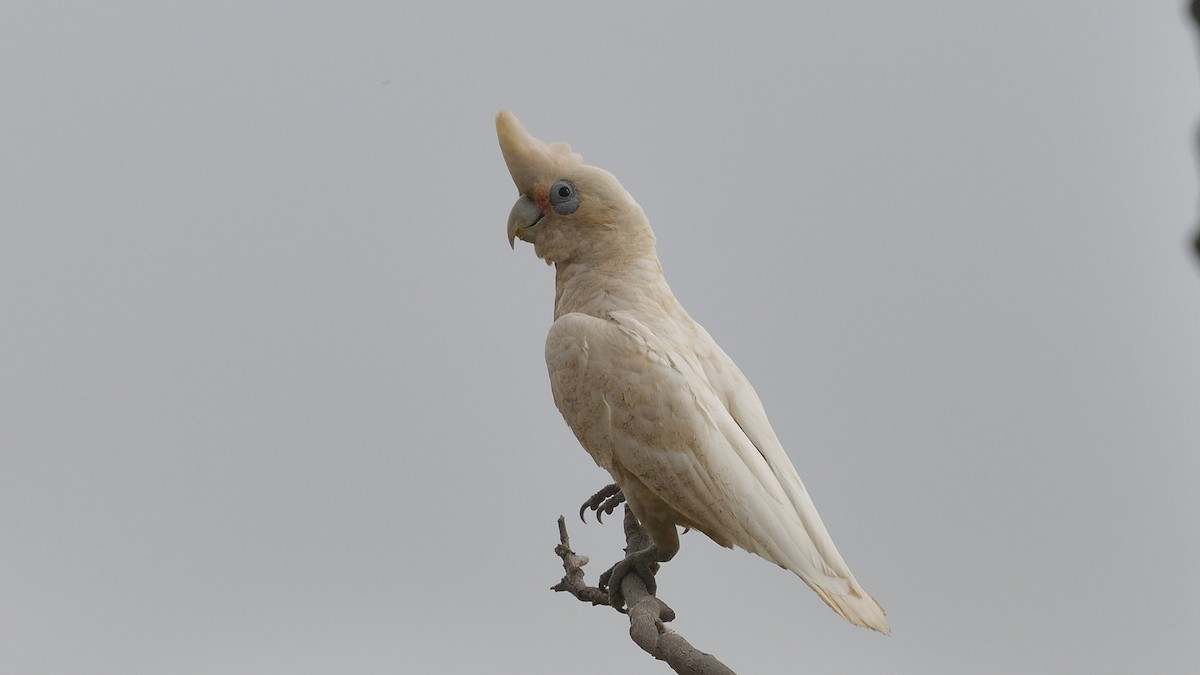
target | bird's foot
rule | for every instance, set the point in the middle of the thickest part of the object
(603, 502)
(644, 563)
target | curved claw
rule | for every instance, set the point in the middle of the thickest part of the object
(603, 502)
(642, 562)
(610, 504)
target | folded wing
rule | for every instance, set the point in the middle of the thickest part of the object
(674, 411)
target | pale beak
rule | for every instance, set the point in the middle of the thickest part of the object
(524, 215)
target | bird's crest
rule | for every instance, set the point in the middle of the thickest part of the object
(531, 161)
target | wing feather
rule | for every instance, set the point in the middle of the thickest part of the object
(679, 415)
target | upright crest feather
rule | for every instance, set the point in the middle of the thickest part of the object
(530, 161)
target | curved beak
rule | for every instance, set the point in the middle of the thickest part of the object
(524, 215)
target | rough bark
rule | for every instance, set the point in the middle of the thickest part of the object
(647, 614)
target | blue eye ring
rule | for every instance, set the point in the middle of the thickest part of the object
(564, 197)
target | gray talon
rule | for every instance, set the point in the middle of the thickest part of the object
(603, 502)
(644, 563)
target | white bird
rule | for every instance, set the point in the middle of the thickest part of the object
(647, 391)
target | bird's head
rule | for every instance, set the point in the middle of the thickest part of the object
(567, 209)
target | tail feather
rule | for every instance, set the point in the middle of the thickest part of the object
(857, 607)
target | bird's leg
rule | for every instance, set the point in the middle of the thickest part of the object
(644, 563)
(660, 540)
(603, 502)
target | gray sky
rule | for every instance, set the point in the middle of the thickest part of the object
(273, 397)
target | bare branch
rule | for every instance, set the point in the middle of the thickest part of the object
(572, 581)
(647, 614)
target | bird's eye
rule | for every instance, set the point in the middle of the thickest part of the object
(564, 197)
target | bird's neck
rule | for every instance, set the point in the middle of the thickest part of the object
(633, 285)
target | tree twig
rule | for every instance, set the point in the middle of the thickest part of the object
(647, 614)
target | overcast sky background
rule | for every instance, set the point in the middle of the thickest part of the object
(272, 392)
